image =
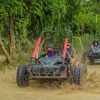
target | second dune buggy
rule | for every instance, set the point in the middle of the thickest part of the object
(92, 53)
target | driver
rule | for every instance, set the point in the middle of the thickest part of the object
(50, 50)
(95, 44)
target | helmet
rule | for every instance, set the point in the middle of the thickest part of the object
(50, 46)
(95, 43)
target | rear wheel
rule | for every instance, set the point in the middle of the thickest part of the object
(22, 76)
(79, 74)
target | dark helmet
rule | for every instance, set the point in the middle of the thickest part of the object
(95, 42)
(69, 45)
(50, 46)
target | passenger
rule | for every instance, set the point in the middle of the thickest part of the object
(68, 51)
(69, 48)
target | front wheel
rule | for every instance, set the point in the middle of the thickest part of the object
(79, 74)
(22, 76)
(91, 61)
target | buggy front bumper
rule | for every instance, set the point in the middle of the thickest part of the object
(94, 56)
(53, 72)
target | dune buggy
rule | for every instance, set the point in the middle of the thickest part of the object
(58, 66)
(93, 51)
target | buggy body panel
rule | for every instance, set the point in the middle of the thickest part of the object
(94, 52)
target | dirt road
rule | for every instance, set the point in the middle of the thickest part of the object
(90, 91)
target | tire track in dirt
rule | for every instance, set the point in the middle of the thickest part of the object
(10, 91)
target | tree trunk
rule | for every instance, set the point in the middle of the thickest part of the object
(5, 52)
(11, 36)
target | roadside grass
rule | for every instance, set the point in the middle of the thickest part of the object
(21, 58)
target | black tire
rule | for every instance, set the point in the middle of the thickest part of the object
(91, 61)
(79, 74)
(22, 76)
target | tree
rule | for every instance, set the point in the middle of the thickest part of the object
(10, 11)
(21, 21)
(8, 57)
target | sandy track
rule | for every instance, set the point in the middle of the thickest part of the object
(90, 91)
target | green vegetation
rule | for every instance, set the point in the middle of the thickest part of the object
(21, 21)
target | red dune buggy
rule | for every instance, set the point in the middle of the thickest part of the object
(51, 59)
